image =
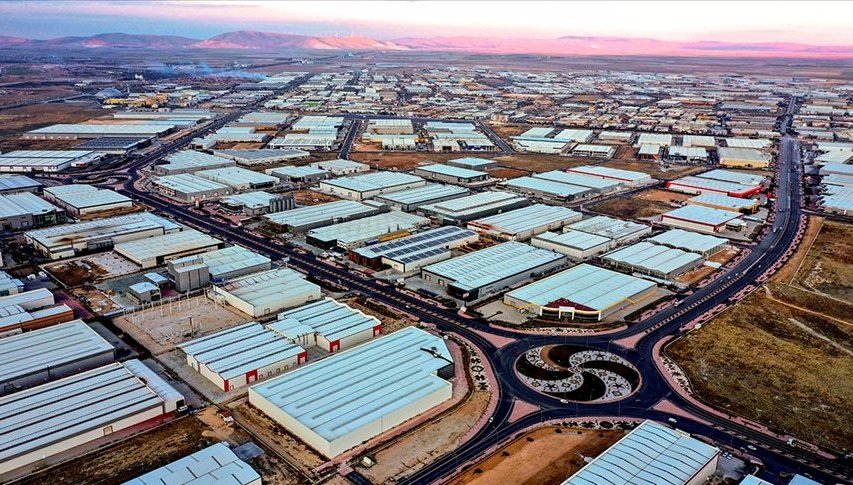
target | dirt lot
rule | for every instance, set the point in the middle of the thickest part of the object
(404, 160)
(416, 449)
(507, 173)
(542, 457)
(648, 203)
(75, 273)
(776, 364)
(94, 299)
(309, 197)
(15, 121)
(654, 169)
(828, 266)
(163, 327)
(508, 130)
(540, 162)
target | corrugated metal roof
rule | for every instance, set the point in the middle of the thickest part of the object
(263, 289)
(330, 319)
(573, 239)
(441, 169)
(653, 258)
(578, 180)
(79, 232)
(608, 227)
(702, 214)
(373, 181)
(215, 464)
(189, 184)
(352, 232)
(425, 194)
(176, 242)
(305, 216)
(688, 241)
(546, 186)
(416, 244)
(527, 218)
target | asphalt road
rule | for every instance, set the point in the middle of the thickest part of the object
(776, 455)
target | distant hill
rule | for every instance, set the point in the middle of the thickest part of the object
(562, 46)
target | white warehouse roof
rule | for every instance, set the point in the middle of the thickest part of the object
(329, 318)
(216, 464)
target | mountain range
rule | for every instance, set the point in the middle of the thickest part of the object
(569, 45)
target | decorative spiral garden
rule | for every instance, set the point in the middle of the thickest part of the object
(578, 374)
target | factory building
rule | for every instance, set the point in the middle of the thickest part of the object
(187, 187)
(473, 163)
(659, 139)
(702, 219)
(144, 292)
(574, 244)
(650, 151)
(15, 184)
(593, 151)
(584, 292)
(619, 231)
(690, 241)
(189, 161)
(239, 178)
(98, 235)
(340, 402)
(46, 161)
(30, 310)
(196, 271)
(81, 199)
(159, 250)
(537, 140)
(327, 324)
(701, 185)
(756, 143)
(261, 156)
(339, 167)
(39, 423)
(26, 210)
(522, 224)
(413, 252)
(724, 202)
(596, 184)
(68, 131)
(616, 136)
(411, 199)
(491, 270)
(360, 187)
(743, 158)
(451, 174)
(238, 356)
(378, 228)
(313, 216)
(389, 127)
(262, 294)
(625, 177)
(687, 154)
(473, 206)
(50, 353)
(651, 453)
(703, 141)
(258, 203)
(298, 175)
(305, 141)
(216, 464)
(742, 178)
(654, 260)
(547, 189)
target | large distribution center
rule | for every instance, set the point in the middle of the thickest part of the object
(352, 234)
(724, 202)
(584, 292)
(80, 199)
(473, 163)
(700, 218)
(68, 240)
(348, 398)
(68, 131)
(526, 222)
(470, 207)
(574, 244)
(742, 157)
(653, 259)
(53, 418)
(618, 230)
(310, 217)
(627, 177)
(690, 241)
(491, 270)
(238, 356)
(597, 184)
(451, 174)
(189, 161)
(411, 199)
(158, 250)
(340, 166)
(360, 187)
(216, 464)
(330, 325)
(651, 453)
(51, 353)
(187, 187)
(412, 252)
(549, 189)
(45, 160)
(265, 293)
(239, 178)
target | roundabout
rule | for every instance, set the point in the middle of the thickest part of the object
(578, 374)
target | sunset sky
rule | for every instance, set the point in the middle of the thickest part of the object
(823, 23)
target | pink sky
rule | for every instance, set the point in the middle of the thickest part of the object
(822, 23)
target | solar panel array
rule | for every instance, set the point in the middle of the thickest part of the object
(418, 246)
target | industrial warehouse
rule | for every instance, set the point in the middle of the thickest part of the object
(326, 324)
(348, 398)
(702, 219)
(452, 175)
(651, 259)
(102, 234)
(522, 224)
(584, 292)
(239, 178)
(82, 199)
(360, 187)
(214, 464)
(26, 211)
(50, 419)
(238, 356)
(598, 185)
(348, 235)
(627, 177)
(303, 219)
(473, 206)
(189, 161)
(619, 231)
(724, 202)
(651, 453)
(577, 245)
(49, 161)
(690, 241)
(190, 188)
(547, 189)
(301, 175)
(256, 203)
(158, 250)
(413, 252)
(193, 272)
(491, 270)
(411, 199)
(50, 353)
(268, 292)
